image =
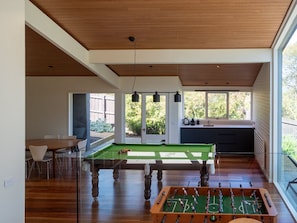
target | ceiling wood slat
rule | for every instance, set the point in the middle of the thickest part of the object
(167, 24)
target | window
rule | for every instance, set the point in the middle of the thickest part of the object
(288, 149)
(233, 105)
(216, 105)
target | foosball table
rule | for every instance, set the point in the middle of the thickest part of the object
(205, 205)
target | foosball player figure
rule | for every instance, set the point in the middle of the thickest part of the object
(181, 202)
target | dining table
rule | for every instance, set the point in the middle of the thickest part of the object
(53, 145)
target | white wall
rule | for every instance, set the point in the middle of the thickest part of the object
(12, 112)
(261, 111)
(47, 102)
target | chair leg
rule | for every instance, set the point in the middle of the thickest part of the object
(27, 168)
(291, 182)
(61, 163)
(47, 169)
(31, 168)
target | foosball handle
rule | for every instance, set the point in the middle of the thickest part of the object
(205, 219)
(160, 198)
(191, 220)
(177, 219)
(164, 219)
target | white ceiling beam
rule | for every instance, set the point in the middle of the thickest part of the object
(48, 29)
(180, 56)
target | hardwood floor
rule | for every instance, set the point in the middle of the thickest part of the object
(122, 201)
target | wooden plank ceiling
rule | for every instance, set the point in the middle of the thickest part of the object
(167, 24)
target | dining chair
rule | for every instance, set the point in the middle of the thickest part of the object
(28, 160)
(49, 154)
(82, 145)
(38, 156)
(61, 154)
(50, 136)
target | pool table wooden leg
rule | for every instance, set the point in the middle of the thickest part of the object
(159, 174)
(147, 185)
(116, 173)
(95, 181)
(204, 175)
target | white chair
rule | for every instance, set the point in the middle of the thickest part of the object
(28, 161)
(38, 153)
(61, 154)
(81, 150)
(49, 154)
(82, 145)
(50, 137)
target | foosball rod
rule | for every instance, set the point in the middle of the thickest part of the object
(244, 202)
(221, 209)
(207, 202)
(232, 200)
(256, 200)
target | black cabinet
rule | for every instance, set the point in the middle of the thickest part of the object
(227, 140)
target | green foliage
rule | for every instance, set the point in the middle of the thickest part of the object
(194, 105)
(289, 82)
(133, 115)
(239, 105)
(155, 116)
(289, 145)
(217, 105)
(100, 126)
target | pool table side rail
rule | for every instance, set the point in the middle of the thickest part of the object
(111, 152)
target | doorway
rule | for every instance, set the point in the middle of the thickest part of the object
(147, 121)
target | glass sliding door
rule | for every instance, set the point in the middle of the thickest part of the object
(287, 153)
(154, 119)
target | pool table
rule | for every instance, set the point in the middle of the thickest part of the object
(149, 157)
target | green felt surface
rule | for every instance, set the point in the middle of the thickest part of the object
(247, 205)
(112, 151)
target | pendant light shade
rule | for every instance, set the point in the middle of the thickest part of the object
(156, 97)
(135, 97)
(177, 97)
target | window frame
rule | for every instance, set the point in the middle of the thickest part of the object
(227, 93)
(207, 93)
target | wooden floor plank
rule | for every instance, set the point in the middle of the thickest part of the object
(122, 201)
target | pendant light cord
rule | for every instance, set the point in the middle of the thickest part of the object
(132, 39)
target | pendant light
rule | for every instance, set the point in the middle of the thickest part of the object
(135, 96)
(156, 97)
(177, 97)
